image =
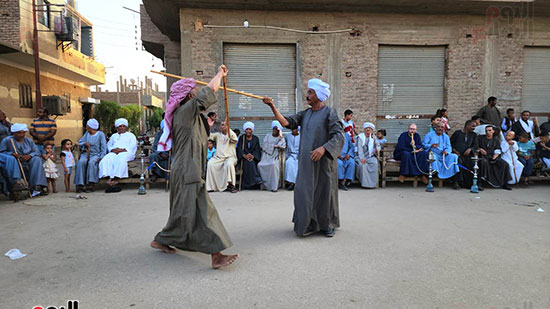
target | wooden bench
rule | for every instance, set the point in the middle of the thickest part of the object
(389, 168)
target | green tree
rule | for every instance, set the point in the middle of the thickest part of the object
(106, 113)
(132, 113)
(155, 119)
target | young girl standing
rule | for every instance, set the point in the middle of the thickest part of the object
(49, 167)
(67, 159)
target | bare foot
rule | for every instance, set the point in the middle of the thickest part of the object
(401, 178)
(68, 190)
(425, 180)
(54, 191)
(164, 248)
(220, 260)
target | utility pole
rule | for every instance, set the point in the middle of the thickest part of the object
(36, 54)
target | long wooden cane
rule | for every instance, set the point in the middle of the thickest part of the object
(205, 84)
(21, 168)
(226, 108)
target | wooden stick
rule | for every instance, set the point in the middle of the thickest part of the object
(205, 84)
(226, 107)
(21, 168)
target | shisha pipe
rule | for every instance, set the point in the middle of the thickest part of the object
(475, 187)
(431, 159)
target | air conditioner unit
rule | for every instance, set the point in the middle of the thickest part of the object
(55, 105)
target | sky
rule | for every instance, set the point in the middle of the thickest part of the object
(115, 40)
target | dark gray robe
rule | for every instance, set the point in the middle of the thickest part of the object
(496, 172)
(316, 191)
(194, 224)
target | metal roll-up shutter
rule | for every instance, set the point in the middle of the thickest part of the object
(262, 69)
(411, 81)
(536, 80)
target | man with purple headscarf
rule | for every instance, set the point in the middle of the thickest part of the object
(322, 140)
(193, 224)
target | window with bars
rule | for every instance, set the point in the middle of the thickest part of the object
(25, 95)
(43, 12)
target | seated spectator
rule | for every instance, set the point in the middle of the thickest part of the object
(465, 144)
(543, 152)
(93, 148)
(436, 120)
(220, 174)
(43, 129)
(24, 149)
(545, 127)
(368, 152)
(211, 121)
(479, 128)
(509, 148)
(10, 174)
(270, 166)
(292, 152)
(381, 138)
(526, 153)
(493, 169)
(508, 121)
(211, 151)
(249, 154)
(346, 163)
(413, 157)
(446, 162)
(160, 157)
(121, 148)
(524, 124)
(5, 126)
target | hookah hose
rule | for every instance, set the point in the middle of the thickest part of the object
(160, 167)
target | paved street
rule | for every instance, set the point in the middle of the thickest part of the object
(397, 247)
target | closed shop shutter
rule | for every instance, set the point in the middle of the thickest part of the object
(262, 69)
(411, 82)
(536, 80)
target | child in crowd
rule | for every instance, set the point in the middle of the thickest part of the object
(50, 169)
(443, 114)
(211, 150)
(543, 151)
(435, 122)
(526, 150)
(380, 138)
(67, 160)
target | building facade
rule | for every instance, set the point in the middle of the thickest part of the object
(391, 62)
(67, 69)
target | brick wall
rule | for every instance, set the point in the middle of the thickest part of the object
(480, 60)
(9, 23)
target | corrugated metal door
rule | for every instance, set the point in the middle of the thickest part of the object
(536, 80)
(411, 81)
(262, 69)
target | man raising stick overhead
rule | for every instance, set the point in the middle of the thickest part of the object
(316, 190)
(194, 224)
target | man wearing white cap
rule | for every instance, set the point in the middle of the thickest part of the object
(368, 152)
(249, 154)
(270, 166)
(29, 156)
(346, 163)
(94, 147)
(322, 140)
(220, 174)
(292, 151)
(122, 148)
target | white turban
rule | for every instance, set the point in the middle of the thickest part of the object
(321, 88)
(248, 125)
(16, 127)
(369, 125)
(92, 123)
(121, 121)
(277, 124)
